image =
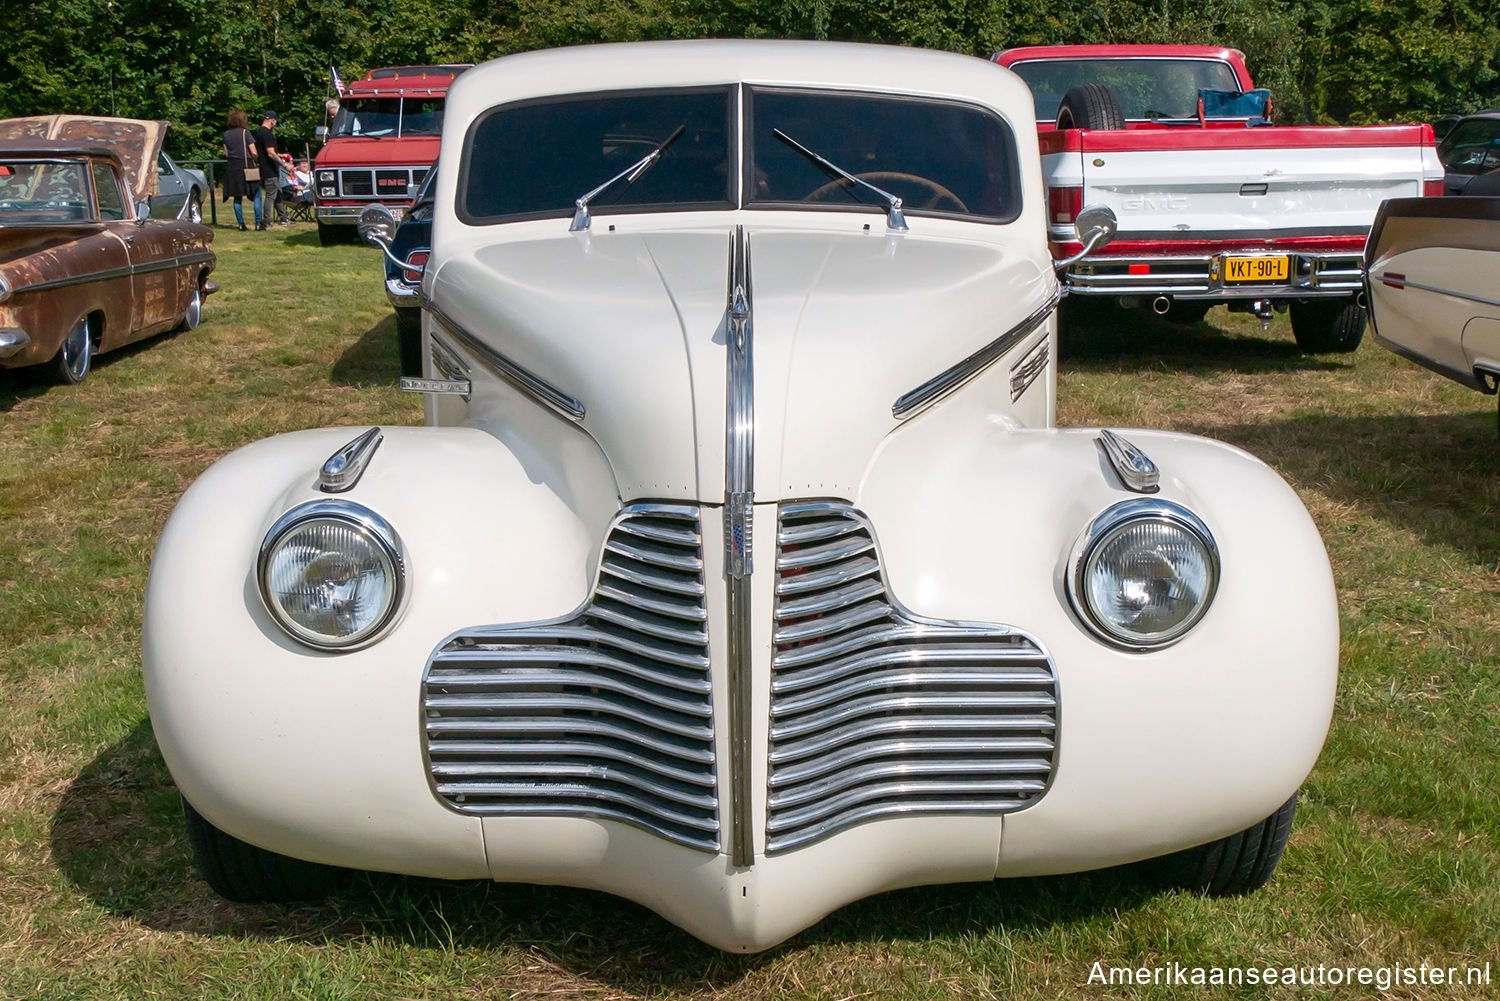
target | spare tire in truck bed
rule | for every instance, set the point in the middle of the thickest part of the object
(1090, 106)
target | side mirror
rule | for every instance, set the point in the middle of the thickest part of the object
(1096, 225)
(377, 225)
(142, 212)
(321, 132)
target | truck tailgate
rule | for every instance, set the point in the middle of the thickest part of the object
(1218, 184)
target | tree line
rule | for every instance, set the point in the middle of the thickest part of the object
(191, 61)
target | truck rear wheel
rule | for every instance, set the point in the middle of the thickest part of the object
(1090, 106)
(1325, 326)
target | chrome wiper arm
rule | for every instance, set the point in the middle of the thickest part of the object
(894, 219)
(630, 174)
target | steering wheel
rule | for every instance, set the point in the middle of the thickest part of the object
(939, 197)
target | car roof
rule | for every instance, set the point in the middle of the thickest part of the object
(54, 147)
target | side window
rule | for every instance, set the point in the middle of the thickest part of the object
(1472, 147)
(107, 189)
(163, 166)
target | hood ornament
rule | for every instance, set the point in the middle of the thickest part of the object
(1134, 467)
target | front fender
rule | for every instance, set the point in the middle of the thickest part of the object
(1156, 751)
(486, 539)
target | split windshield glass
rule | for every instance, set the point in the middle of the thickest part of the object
(533, 160)
(1147, 88)
(389, 117)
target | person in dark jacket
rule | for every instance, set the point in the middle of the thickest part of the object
(240, 151)
(270, 170)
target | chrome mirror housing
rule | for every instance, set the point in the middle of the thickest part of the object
(377, 225)
(1096, 226)
(142, 211)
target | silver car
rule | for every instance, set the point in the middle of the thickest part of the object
(179, 191)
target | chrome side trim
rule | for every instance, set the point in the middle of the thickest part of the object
(739, 514)
(1134, 468)
(533, 386)
(1026, 371)
(344, 467)
(1400, 281)
(941, 385)
(126, 270)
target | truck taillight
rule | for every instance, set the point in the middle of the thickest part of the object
(1063, 205)
(416, 258)
(1432, 189)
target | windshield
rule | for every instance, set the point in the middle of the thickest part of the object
(43, 192)
(1147, 88)
(389, 116)
(1473, 147)
(938, 157)
(535, 160)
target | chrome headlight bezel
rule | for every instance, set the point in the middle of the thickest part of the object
(374, 529)
(1105, 527)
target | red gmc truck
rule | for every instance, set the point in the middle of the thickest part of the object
(384, 137)
(1213, 203)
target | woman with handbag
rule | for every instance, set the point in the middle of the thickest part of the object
(241, 168)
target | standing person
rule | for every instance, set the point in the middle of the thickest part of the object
(239, 149)
(270, 170)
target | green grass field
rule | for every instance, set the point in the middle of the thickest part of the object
(1395, 856)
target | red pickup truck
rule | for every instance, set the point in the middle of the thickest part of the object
(384, 138)
(1214, 204)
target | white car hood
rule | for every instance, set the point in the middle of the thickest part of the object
(843, 323)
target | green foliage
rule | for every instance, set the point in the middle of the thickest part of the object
(191, 61)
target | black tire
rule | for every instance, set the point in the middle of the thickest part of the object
(1189, 312)
(1090, 106)
(409, 341)
(75, 356)
(1240, 863)
(331, 236)
(249, 875)
(1327, 326)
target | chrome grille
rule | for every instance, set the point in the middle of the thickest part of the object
(877, 712)
(606, 713)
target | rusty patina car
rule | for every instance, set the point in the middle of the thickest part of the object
(83, 267)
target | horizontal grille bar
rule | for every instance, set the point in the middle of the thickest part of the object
(876, 712)
(605, 714)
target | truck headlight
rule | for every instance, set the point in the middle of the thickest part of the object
(1144, 573)
(332, 574)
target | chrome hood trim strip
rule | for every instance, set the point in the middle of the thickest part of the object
(739, 500)
(946, 382)
(532, 385)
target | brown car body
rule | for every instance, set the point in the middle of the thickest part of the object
(66, 266)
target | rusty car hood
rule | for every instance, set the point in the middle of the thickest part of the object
(137, 142)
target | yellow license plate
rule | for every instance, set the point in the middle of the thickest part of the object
(1256, 269)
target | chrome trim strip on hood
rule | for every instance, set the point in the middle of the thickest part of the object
(739, 500)
(946, 382)
(531, 385)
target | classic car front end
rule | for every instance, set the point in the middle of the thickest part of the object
(83, 268)
(740, 570)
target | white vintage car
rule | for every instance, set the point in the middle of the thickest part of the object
(739, 569)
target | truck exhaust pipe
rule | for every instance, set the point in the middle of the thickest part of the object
(1160, 305)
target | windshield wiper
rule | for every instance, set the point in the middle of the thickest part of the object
(630, 174)
(894, 219)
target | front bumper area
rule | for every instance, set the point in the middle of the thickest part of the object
(1202, 276)
(347, 214)
(329, 756)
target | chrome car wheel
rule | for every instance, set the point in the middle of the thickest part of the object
(195, 209)
(71, 363)
(194, 314)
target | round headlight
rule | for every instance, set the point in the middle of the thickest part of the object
(1144, 573)
(332, 574)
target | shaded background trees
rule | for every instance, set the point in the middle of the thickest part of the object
(190, 61)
